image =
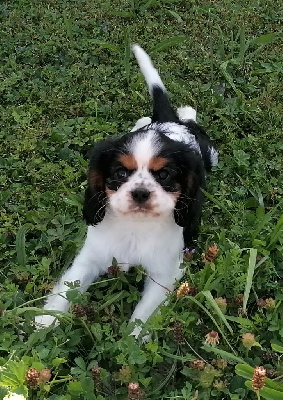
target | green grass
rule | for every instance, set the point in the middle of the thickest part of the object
(69, 80)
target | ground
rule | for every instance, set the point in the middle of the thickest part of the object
(68, 79)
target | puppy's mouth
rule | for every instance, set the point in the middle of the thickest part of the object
(145, 209)
(141, 210)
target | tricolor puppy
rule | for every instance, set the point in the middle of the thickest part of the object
(143, 201)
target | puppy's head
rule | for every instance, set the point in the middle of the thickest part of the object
(143, 174)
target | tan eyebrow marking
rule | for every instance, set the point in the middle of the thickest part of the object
(156, 163)
(128, 161)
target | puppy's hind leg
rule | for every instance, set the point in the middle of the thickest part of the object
(186, 113)
(141, 123)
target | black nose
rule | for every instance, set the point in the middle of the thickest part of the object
(140, 195)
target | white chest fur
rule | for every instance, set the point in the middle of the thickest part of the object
(156, 244)
(151, 242)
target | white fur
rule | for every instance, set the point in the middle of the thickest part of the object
(155, 243)
(178, 132)
(186, 113)
(149, 72)
(141, 123)
(133, 236)
(213, 156)
(144, 147)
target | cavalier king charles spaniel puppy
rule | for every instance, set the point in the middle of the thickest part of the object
(143, 200)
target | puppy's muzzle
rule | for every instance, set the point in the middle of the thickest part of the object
(140, 195)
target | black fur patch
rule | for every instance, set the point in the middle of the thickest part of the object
(162, 109)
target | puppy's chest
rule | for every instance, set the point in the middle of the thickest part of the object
(141, 243)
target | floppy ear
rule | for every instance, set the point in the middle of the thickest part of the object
(95, 201)
(187, 212)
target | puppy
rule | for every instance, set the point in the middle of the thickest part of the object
(143, 201)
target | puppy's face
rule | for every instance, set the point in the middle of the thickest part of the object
(143, 174)
(142, 182)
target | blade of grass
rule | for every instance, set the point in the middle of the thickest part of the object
(277, 231)
(262, 41)
(246, 371)
(277, 348)
(217, 202)
(228, 77)
(21, 244)
(187, 357)
(242, 44)
(175, 15)
(173, 41)
(49, 295)
(214, 305)
(265, 39)
(168, 377)
(251, 269)
(223, 354)
(194, 300)
(127, 55)
(69, 28)
(113, 299)
(105, 45)
(267, 393)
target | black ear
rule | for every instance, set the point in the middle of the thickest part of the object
(94, 205)
(95, 201)
(187, 212)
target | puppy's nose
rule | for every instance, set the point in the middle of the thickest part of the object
(140, 195)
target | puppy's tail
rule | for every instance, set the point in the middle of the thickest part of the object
(162, 109)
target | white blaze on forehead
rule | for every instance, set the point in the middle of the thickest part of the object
(144, 147)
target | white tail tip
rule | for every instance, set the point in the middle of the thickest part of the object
(149, 72)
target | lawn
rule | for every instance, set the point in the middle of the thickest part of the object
(68, 79)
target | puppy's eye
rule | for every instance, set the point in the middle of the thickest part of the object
(162, 174)
(121, 173)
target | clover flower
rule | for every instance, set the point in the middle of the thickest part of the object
(222, 304)
(258, 378)
(125, 374)
(96, 373)
(185, 289)
(212, 338)
(220, 363)
(197, 364)
(211, 254)
(270, 303)
(134, 391)
(178, 333)
(44, 375)
(248, 340)
(219, 384)
(32, 377)
(239, 299)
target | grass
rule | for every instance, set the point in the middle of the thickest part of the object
(69, 80)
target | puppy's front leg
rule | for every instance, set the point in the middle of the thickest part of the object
(85, 270)
(156, 288)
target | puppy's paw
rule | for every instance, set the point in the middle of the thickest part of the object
(141, 123)
(43, 321)
(137, 333)
(187, 113)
